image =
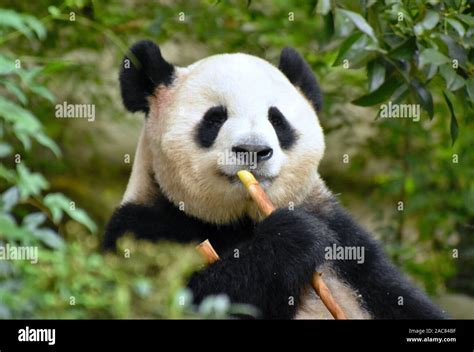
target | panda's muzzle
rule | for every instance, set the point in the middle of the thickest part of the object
(248, 156)
(264, 180)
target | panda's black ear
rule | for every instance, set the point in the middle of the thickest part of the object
(143, 69)
(299, 73)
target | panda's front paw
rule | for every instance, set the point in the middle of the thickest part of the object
(296, 237)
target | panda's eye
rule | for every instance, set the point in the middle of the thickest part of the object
(216, 115)
(285, 133)
(275, 117)
(208, 128)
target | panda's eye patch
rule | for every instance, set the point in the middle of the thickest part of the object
(216, 115)
(285, 133)
(208, 128)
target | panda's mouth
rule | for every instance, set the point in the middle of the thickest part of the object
(264, 180)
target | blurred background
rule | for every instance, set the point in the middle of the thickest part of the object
(411, 183)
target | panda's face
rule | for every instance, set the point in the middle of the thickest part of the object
(223, 114)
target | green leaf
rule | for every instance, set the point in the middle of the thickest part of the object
(469, 20)
(359, 22)
(458, 27)
(455, 50)
(36, 25)
(15, 90)
(58, 203)
(6, 65)
(430, 71)
(22, 119)
(404, 51)
(33, 220)
(345, 47)
(400, 94)
(370, 3)
(432, 56)
(328, 29)
(50, 238)
(376, 72)
(431, 19)
(12, 19)
(28, 76)
(453, 80)
(359, 54)
(423, 96)
(7, 174)
(9, 199)
(5, 149)
(30, 183)
(454, 123)
(323, 7)
(54, 11)
(26, 126)
(24, 138)
(43, 92)
(25, 24)
(470, 88)
(81, 217)
(11, 230)
(380, 95)
(47, 142)
(452, 4)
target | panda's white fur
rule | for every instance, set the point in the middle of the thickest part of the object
(247, 86)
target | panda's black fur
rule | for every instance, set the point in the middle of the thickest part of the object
(299, 73)
(139, 77)
(278, 255)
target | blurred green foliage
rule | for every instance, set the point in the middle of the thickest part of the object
(364, 53)
(80, 282)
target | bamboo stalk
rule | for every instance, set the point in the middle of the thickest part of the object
(266, 207)
(208, 252)
(326, 297)
(256, 192)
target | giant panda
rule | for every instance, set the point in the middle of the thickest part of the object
(178, 191)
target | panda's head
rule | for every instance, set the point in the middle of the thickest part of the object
(221, 114)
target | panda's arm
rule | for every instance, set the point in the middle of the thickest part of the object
(157, 222)
(270, 271)
(386, 292)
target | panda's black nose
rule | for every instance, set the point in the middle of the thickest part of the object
(264, 152)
